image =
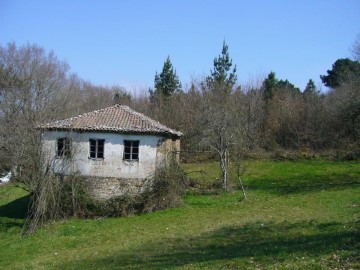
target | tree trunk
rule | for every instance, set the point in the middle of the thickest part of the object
(224, 165)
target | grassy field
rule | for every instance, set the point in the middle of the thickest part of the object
(299, 215)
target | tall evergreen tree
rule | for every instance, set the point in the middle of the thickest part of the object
(166, 85)
(288, 86)
(310, 88)
(270, 86)
(222, 73)
(343, 71)
(167, 82)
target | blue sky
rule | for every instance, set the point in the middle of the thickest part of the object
(126, 42)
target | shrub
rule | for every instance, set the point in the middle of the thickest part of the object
(166, 189)
(59, 197)
(56, 197)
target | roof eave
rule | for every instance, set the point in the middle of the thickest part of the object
(144, 132)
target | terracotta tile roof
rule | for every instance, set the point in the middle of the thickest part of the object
(117, 118)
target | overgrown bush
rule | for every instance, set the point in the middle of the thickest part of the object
(56, 197)
(166, 189)
(59, 197)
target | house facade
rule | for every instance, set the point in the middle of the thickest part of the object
(115, 149)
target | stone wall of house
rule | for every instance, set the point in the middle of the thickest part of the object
(104, 188)
(176, 149)
(167, 149)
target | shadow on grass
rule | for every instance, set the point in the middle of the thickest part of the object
(16, 209)
(267, 243)
(305, 182)
(13, 214)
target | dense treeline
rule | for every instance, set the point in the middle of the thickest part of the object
(269, 114)
(215, 113)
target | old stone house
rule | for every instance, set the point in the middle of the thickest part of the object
(115, 149)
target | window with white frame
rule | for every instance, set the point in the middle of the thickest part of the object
(131, 150)
(97, 148)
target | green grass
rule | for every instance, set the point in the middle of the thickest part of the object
(300, 215)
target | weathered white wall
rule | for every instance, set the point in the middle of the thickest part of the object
(112, 165)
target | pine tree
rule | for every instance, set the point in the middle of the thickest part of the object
(221, 74)
(343, 71)
(166, 85)
(288, 86)
(167, 82)
(270, 86)
(310, 88)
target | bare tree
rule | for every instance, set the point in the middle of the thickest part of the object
(217, 122)
(315, 119)
(250, 110)
(344, 107)
(190, 111)
(31, 80)
(356, 48)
